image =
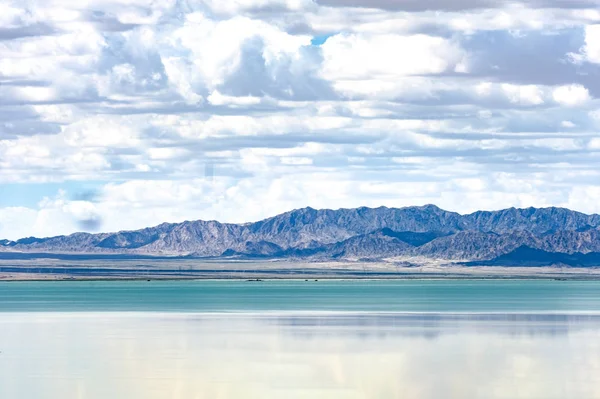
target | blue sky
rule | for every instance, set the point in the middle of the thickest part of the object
(122, 114)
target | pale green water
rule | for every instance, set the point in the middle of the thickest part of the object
(243, 296)
(275, 339)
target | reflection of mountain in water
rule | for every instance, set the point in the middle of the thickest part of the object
(435, 325)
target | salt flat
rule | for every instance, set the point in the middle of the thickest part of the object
(54, 269)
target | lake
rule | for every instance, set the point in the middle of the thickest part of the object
(300, 339)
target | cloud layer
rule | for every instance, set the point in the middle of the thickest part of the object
(238, 110)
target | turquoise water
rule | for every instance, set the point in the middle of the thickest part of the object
(481, 339)
(245, 296)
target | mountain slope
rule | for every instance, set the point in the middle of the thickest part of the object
(526, 256)
(425, 231)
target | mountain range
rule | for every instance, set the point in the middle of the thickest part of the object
(511, 237)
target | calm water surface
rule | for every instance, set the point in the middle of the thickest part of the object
(297, 339)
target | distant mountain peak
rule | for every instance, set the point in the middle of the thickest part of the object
(430, 207)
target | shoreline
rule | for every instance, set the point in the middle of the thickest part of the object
(52, 270)
(308, 279)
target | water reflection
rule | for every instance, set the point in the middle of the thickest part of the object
(435, 324)
(155, 355)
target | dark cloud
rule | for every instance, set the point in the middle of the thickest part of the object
(24, 82)
(90, 225)
(38, 29)
(531, 58)
(10, 114)
(148, 72)
(108, 22)
(287, 79)
(297, 27)
(89, 95)
(16, 128)
(547, 122)
(170, 104)
(23, 121)
(455, 5)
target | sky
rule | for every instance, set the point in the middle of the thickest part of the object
(123, 114)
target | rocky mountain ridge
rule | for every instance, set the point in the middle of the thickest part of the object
(360, 233)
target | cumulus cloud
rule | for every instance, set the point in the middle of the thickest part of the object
(373, 65)
(372, 56)
(591, 50)
(241, 109)
(571, 95)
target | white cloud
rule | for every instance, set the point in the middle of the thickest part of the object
(584, 198)
(36, 94)
(484, 88)
(216, 46)
(102, 132)
(385, 66)
(19, 222)
(60, 113)
(296, 161)
(359, 56)
(56, 61)
(217, 98)
(568, 124)
(591, 50)
(11, 16)
(594, 144)
(571, 95)
(166, 153)
(181, 75)
(524, 95)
